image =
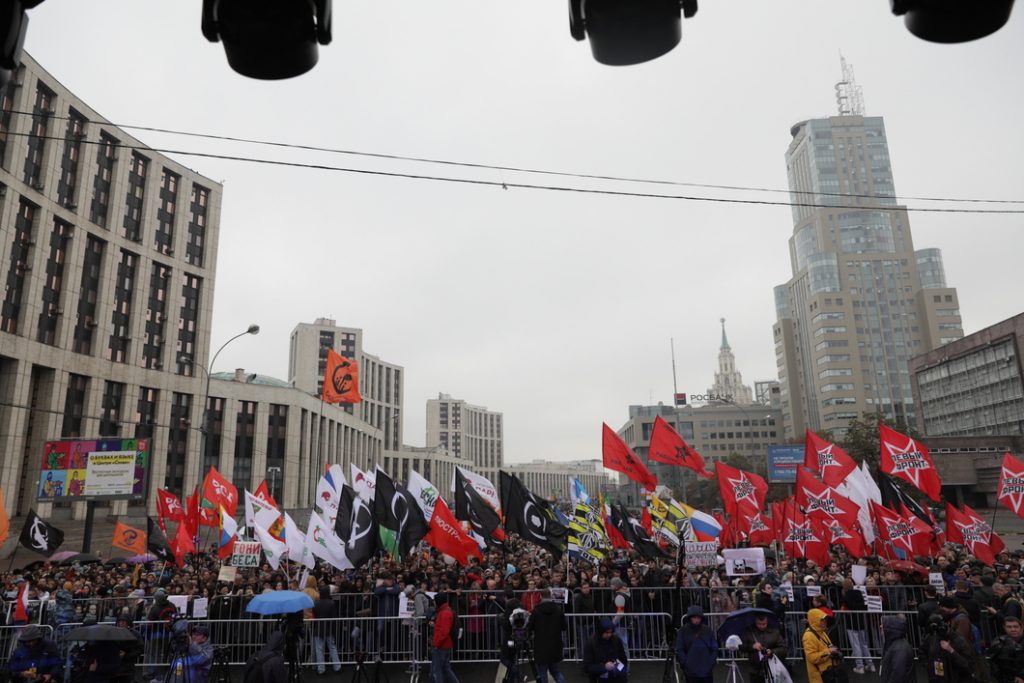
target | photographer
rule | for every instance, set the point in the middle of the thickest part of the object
(194, 657)
(547, 625)
(946, 655)
(761, 642)
(819, 652)
(1006, 653)
(36, 658)
(267, 665)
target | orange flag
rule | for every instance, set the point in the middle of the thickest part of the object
(5, 521)
(129, 538)
(341, 380)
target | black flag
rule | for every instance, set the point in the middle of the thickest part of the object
(39, 536)
(635, 533)
(893, 496)
(531, 516)
(397, 509)
(157, 543)
(356, 526)
(471, 507)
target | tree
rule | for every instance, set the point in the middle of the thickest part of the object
(861, 439)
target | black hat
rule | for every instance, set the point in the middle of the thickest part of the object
(949, 603)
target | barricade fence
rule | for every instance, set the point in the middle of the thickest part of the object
(648, 636)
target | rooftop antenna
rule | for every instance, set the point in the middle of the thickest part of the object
(849, 95)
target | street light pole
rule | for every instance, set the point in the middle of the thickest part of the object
(273, 472)
(205, 422)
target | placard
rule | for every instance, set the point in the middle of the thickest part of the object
(227, 573)
(560, 595)
(813, 590)
(200, 608)
(701, 554)
(180, 603)
(246, 554)
(874, 603)
(744, 561)
(935, 579)
(787, 588)
(859, 574)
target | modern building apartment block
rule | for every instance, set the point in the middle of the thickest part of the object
(467, 431)
(381, 384)
(862, 300)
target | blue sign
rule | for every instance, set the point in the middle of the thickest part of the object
(782, 463)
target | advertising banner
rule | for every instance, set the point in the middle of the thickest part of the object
(782, 463)
(103, 468)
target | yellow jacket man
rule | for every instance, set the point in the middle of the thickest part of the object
(818, 648)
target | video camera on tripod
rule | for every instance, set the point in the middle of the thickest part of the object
(181, 635)
(519, 619)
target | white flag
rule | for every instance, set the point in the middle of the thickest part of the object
(296, 542)
(363, 483)
(424, 492)
(328, 490)
(259, 512)
(322, 542)
(272, 548)
(482, 485)
(859, 491)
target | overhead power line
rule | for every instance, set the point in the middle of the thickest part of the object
(505, 185)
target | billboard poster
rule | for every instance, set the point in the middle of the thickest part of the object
(782, 463)
(95, 468)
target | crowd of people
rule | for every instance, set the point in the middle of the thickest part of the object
(968, 628)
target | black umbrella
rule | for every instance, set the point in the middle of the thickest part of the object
(81, 558)
(742, 619)
(100, 633)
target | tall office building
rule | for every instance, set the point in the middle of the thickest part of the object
(381, 384)
(467, 431)
(862, 300)
(107, 258)
(728, 380)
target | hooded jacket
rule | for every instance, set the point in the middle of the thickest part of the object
(816, 646)
(599, 650)
(267, 665)
(696, 645)
(547, 624)
(897, 654)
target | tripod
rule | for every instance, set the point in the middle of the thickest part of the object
(292, 650)
(670, 674)
(221, 672)
(734, 672)
(379, 673)
(521, 653)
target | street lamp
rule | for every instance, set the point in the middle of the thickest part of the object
(204, 424)
(273, 472)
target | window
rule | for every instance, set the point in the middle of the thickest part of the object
(68, 183)
(105, 158)
(41, 113)
(133, 202)
(165, 212)
(46, 332)
(124, 289)
(88, 293)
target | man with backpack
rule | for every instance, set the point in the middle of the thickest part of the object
(267, 665)
(445, 634)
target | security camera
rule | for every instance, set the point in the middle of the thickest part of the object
(269, 39)
(624, 32)
(952, 21)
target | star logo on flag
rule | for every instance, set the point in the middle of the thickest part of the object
(1012, 488)
(826, 459)
(975, 532)
(908, 460)
(756, 523)
(743, 489)
(824, 502)
(800, 535)
(682, 452)
(837, 530)
(901, 529)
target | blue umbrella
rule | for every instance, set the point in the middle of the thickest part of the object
(279, 602)
(739, 621)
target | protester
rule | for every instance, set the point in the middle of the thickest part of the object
(324, 632)
(819, 652)
(36, 658)
(604, 655)
(853, 607)
(547, 623)
(696, 647)
(760, 643)
(897, 664)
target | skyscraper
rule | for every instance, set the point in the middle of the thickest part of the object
(861, 301)
(467, 431)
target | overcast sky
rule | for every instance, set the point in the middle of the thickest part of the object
(554, 308)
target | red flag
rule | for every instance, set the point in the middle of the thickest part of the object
(823, 502)
(614, 535)
(850, 538)
(446, 535)
(668, 447)
(726, 539)
(827, 460)
(168, 508)
(21, 605)
(1011, 484)
(341, 380)
(263, 493)
(968, 529)
(192, 515)
(645, 522)
(617, 456)
(909, 460)
(182, 544)
(909, 533)
(779, 510)
(740, 490)
(805, 537)
(218, 491)
(757, 528)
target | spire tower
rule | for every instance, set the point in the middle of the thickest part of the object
(849, 95)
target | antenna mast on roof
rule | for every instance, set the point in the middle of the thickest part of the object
(849, 95)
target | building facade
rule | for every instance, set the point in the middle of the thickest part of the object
(107, 257)
(715, 431)
(381, 384)
(551, 479)
(973, 386)
(467, 431)
(862, 299)
(435, 464)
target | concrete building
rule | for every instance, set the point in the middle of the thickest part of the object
(435, 464)
(714, 430)
(263, 428)
(107, 255)
(729, 380)
(381, 384)
(467, 431)
(551, 479)
(973, 386)
(862, 299)
(969, 466)
(768, 393)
